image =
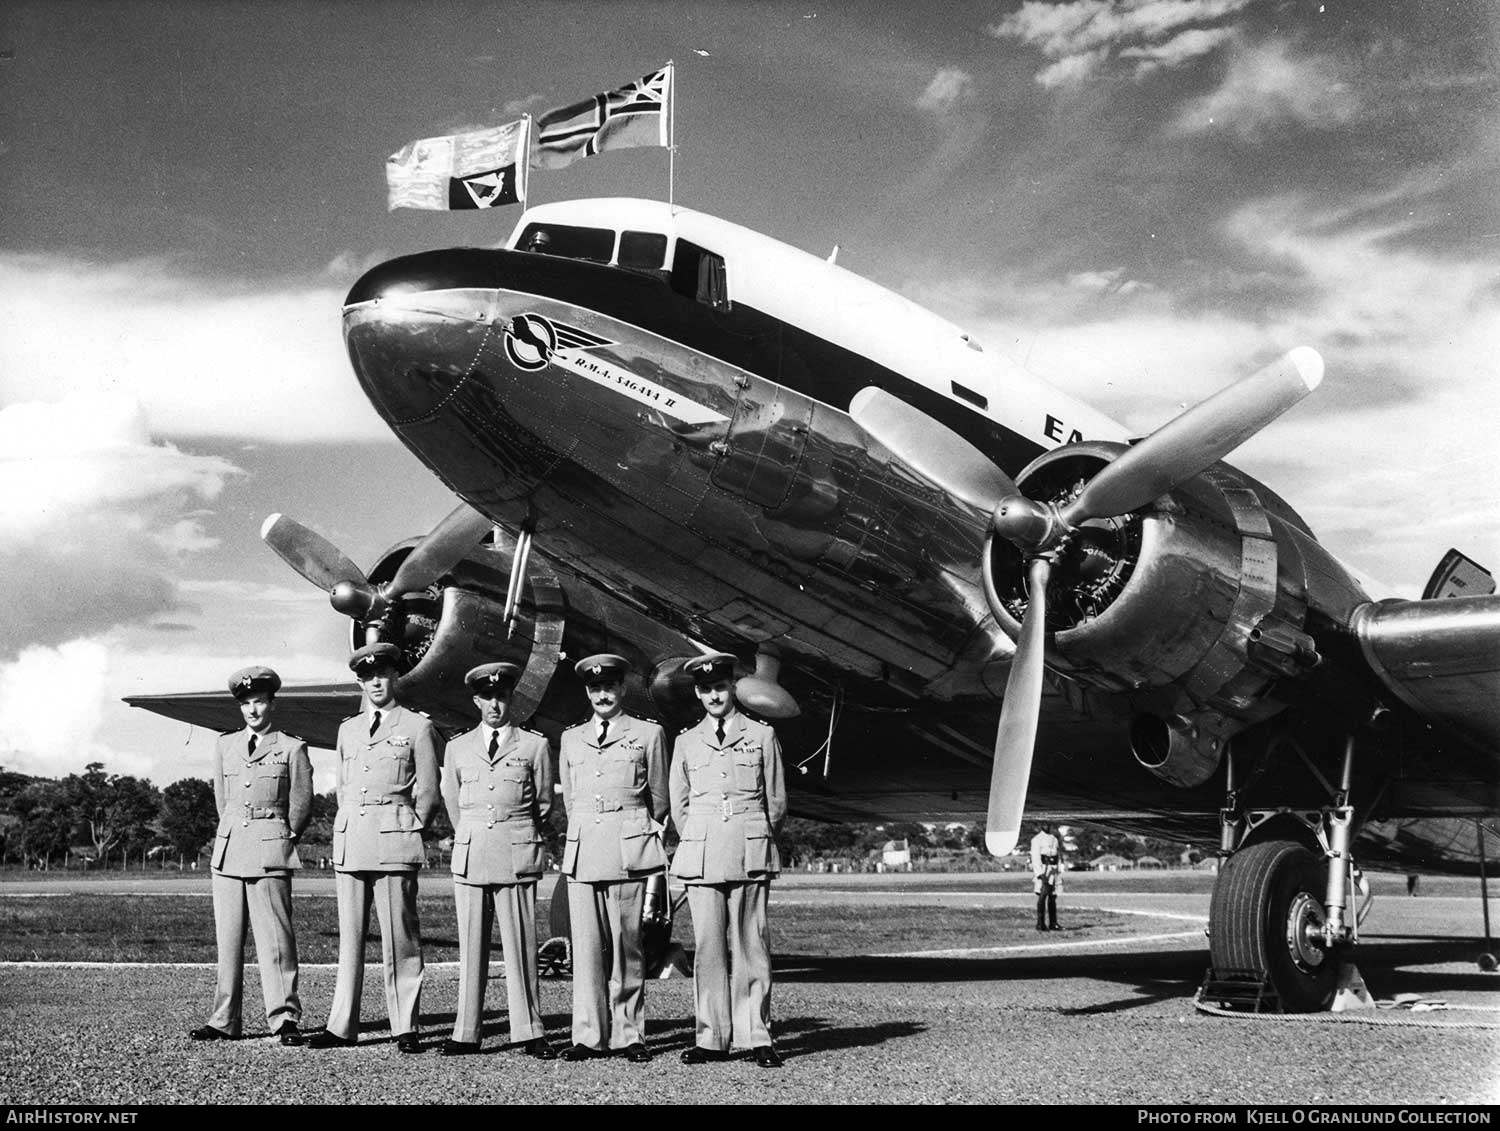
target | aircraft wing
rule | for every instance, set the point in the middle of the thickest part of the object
(1441, 658)
(311, 712)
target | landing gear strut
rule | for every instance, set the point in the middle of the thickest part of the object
(1280, 908)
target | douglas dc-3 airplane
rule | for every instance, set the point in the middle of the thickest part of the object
(719, 441)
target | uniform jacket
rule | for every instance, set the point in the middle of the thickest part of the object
(727, 801)
(264, 802)
(498, 805)
(388, 791)
(616, 797)
(1044, 844)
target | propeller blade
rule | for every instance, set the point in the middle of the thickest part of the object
(1015, 740)
(442, 549)
(309, 553)
(932, 449)
(1200, 437)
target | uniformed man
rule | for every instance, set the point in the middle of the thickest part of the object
(728, 800)
(613, 769)
(497, 786)
(263, 792)
(1046, 878)
(387, 792)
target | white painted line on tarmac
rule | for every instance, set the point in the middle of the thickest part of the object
(1022, 948)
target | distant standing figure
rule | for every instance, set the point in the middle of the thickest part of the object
(613, 770)
(1046, 878)
(728, 801)
(388, 791)
(263, 792)
(497, 786)
(1412, 878)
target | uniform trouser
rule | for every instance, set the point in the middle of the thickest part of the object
(395, 897)
(268, 899)
(478, 906)
(732, 964)
(609, 977)
(1046, 906)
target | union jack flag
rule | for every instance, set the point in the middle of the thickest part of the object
(638, 113)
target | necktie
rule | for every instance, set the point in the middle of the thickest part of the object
(374, 724)
(603, 730)
(720, 730)
(251, 751)
(494, 743)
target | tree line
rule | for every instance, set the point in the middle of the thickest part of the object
(95, 817)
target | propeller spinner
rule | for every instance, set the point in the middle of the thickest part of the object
(1180, 449)
(349, 590)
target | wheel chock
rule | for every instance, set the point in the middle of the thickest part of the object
(1351, 993)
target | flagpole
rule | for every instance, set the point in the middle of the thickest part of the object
(671, 132)
(525, 161)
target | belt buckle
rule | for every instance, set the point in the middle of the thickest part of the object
(728, 807)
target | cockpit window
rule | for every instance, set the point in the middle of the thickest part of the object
(595, 244)
(643, 249)
(699, 274)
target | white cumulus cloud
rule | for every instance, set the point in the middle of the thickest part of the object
(95, 517)
(204, 359)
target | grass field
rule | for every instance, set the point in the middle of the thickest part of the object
(151, 927)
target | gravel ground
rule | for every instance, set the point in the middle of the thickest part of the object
(1095, 1029)
(1083, 1020)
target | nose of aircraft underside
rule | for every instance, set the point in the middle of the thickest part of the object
(416, 328)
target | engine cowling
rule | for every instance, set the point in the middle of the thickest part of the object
(445, 631)
(1191, 609)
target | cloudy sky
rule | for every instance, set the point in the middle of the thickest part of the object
(1139, 200)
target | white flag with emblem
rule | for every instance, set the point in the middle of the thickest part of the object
(479, 169)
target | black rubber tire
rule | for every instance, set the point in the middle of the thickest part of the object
(1265, 897)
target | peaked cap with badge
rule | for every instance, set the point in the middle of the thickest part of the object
(254, 680)
(710, 668)
(490, 678)
(605, 667)
(374, 655)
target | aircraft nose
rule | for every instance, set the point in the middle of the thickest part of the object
(416, 326)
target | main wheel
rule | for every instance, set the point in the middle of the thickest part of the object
(1266, 916)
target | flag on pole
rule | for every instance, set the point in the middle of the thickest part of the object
(482, 169)
(638, 113)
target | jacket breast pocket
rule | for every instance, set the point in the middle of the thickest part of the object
(514, 777)
(623, 770)
(468, 786)
(396, 761)
(270, 782)
(748, 772)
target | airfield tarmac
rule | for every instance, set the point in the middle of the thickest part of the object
(1071, 1017)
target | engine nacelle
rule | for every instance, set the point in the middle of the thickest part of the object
(444, 633)
(1191, 609)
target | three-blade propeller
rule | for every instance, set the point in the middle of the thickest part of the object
(1180, 449)
(349, 590)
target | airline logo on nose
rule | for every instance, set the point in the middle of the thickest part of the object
(532, 342)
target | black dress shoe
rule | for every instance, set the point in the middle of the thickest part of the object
(540, 1048)
(700, 1055)
(323, 1039)
(637, 1053)
(766, 1056)
(209, 1033)
(408, 1042)
(457, 1048)
(582, 1052)
(289, 1033)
